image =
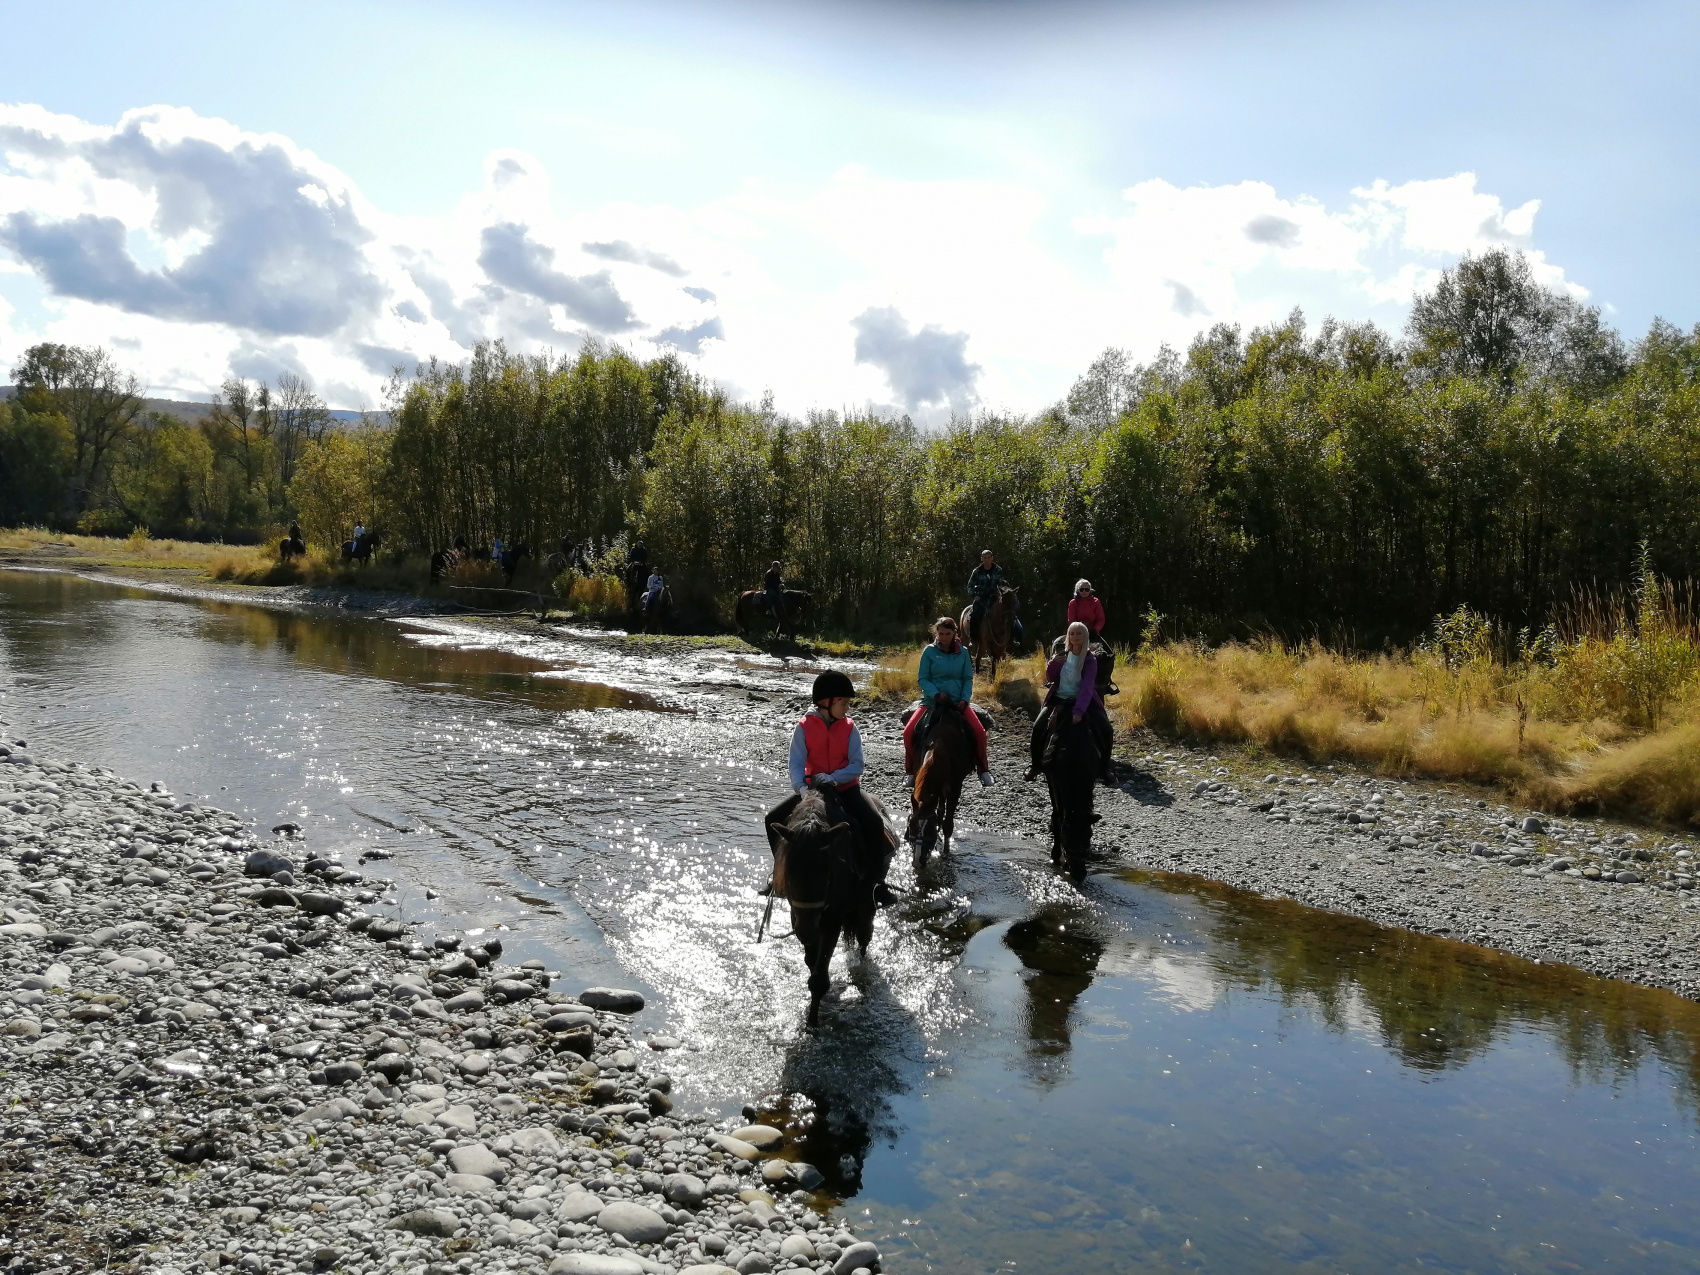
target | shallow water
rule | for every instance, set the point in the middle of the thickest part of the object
(1152, 1072)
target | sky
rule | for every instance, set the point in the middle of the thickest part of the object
(935, 208)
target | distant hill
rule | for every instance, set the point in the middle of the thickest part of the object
(185, 410)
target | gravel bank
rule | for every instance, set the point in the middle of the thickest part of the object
(218, 1055)
(1613, 900)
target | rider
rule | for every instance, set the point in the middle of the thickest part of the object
(652, 590)
(637, 555)
(826, 752)
(772, 589)
(947, 682)
(983, 585)
(1085, 608)
(295, 531)
(1072, 679)
(359, 533)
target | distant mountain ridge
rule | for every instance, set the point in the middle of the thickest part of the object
(185, 410)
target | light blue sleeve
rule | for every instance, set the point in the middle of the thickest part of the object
(853, 767)
(799, 755)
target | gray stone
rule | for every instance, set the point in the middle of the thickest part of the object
(460, 1117)
(1533, 825)
(512, 989)
(475, 1064)
(764, 1137)
(617, 1000)
(263, 863)
(340, 1073)
(578, 1205)
(595, 1264)
(438, 1222)
(478, 1159)
(857, 1255)
(636, 1223)
(714, 1269)
(319, 904)
(465, 1003)
(796, 1246)
(684, 1189)
(468, 1183)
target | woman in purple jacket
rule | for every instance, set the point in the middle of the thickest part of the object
(1072, 680)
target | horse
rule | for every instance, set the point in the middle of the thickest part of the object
(361, 550)
(793, 610)
(948, 758)
(1070, 761)
(656, 615)
(635, 577)
(445, 561)
(510, 559)
(996, 633)
(814, 871)
(291, 547)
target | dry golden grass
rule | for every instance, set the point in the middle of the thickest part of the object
(1521, 727)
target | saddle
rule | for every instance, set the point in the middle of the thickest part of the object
(929, 719)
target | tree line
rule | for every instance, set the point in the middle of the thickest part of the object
(1505, 450)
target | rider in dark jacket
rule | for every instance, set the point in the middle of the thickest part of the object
(772, 589)
(983, 585)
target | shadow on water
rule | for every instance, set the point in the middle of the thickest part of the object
(836, 1088)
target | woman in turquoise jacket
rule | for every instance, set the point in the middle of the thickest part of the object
(947, 681)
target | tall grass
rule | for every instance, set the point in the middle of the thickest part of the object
(1597, 712)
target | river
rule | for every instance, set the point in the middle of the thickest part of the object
(1149, 1072)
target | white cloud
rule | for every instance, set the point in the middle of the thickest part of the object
(198, 246)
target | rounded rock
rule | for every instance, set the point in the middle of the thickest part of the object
(614, 999)
(637, 1223)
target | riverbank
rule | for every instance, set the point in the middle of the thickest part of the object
(223, 1052)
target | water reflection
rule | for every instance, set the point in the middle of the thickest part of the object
(1437, 1004)
(1060, 946)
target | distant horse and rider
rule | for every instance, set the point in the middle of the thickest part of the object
(362, 545)
(787, 608)
(294, 545)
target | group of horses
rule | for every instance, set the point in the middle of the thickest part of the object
(359, 549)
(813, 844)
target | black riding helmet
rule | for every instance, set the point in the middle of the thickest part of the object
(831, 684)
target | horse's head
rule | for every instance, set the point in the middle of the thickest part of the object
(809, 843)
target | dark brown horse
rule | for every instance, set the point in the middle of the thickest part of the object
(814, 871)
(1071, 761)
(948, 758)
(291, 547)
(793, 610)
(654, 616)
(994, 636)
(361, 550)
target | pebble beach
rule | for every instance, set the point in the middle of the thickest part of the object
(222, 1052)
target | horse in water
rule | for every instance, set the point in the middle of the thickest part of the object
(814, 871)
(793, 610)
(291, 547)
(1070, 762)
(945, 764)
(995, 634)
(361, 550)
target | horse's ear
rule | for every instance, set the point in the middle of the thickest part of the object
(838, 829)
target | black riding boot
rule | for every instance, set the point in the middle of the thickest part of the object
(1036, 745)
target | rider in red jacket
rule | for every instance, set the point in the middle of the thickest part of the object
(1084, 608)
